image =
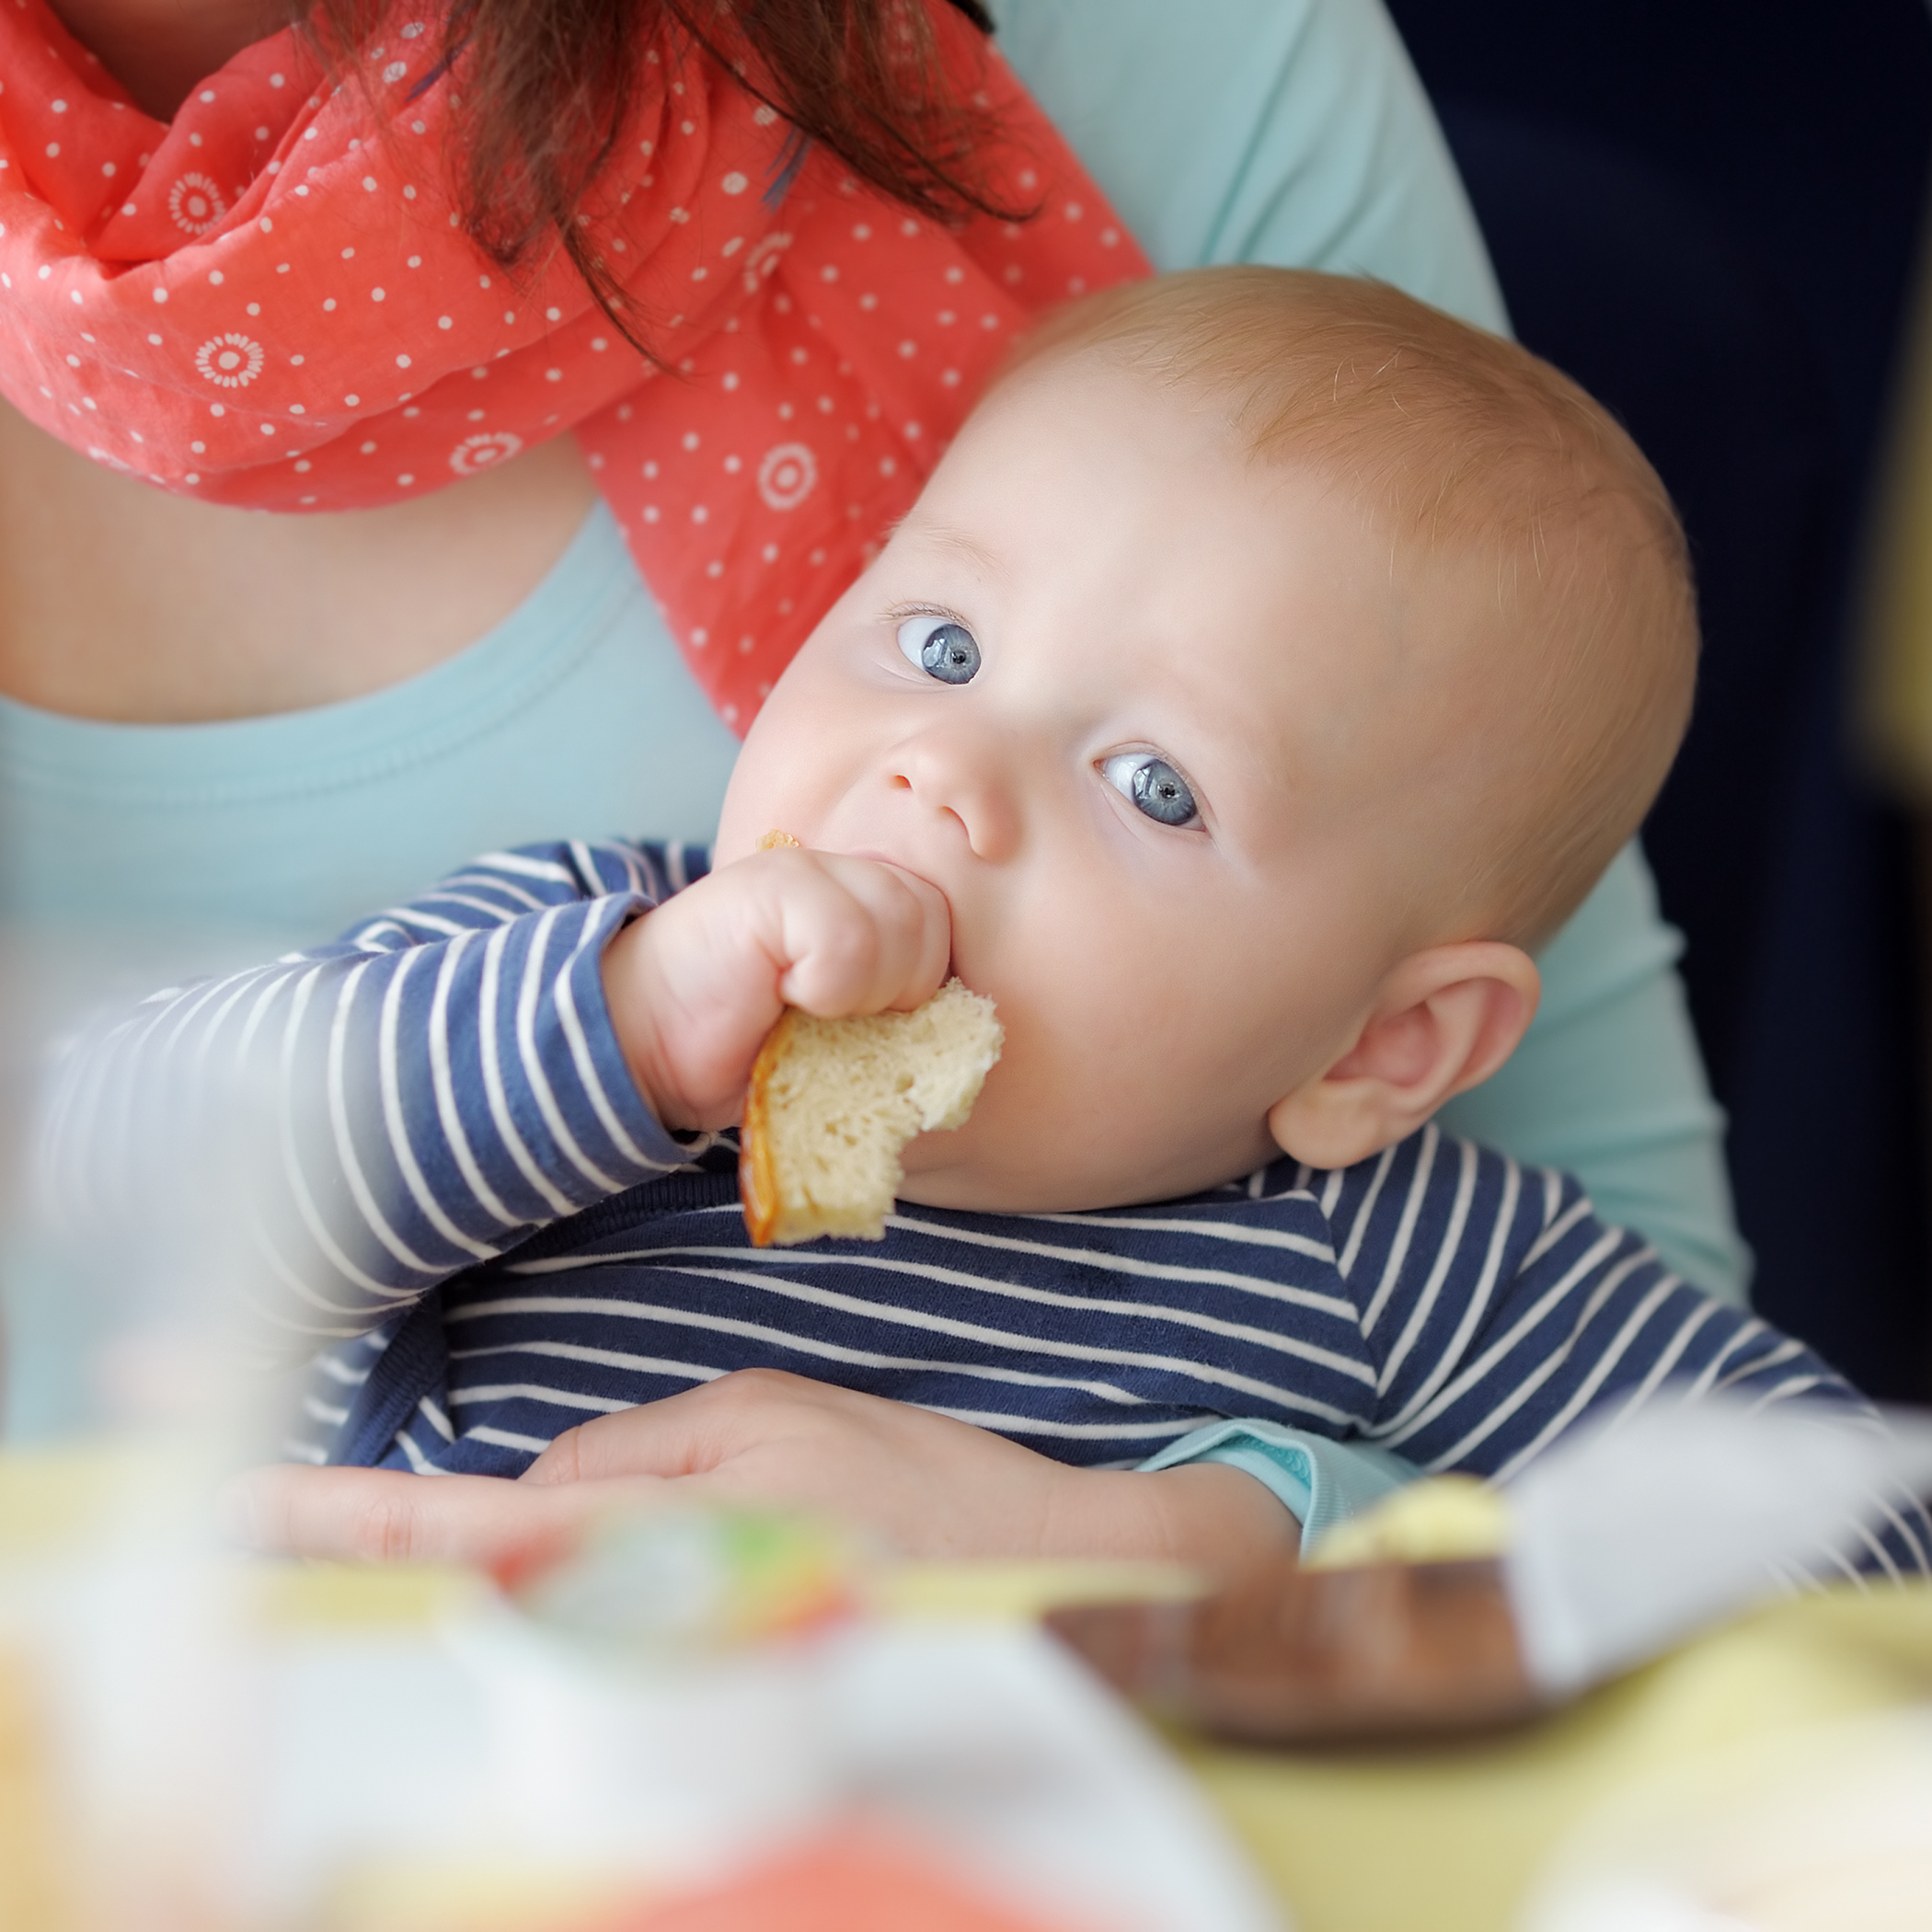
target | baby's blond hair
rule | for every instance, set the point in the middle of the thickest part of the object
(1464, 450)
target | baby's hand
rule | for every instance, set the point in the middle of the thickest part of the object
(694, 986)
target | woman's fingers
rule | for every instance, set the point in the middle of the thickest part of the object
(686, 1435)
(387, 1515)
(621, 1460)
(924, 1484)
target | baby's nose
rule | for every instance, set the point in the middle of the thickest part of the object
(968, 780)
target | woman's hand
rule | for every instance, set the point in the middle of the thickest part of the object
(924, 1484)
(694, 986)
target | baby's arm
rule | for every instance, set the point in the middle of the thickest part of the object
(383, 1110)
(1501, 1314)
(450, 1077)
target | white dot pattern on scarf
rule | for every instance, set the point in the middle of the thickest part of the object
(271, 302)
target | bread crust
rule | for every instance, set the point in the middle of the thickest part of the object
(757, 1177)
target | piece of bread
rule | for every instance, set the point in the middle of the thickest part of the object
(832, 1101)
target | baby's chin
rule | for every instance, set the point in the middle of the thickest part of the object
(964, 1186)
(958, 1169)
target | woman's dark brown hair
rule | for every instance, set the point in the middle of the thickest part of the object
(546, 88)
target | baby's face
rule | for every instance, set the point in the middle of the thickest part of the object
(1130, 700)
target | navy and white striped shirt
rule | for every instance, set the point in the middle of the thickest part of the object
(458, 1188)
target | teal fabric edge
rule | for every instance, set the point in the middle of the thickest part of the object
(1318, 1481)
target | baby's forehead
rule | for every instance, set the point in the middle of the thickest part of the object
(1190, 427)
(1394, 536)
(1436, 427)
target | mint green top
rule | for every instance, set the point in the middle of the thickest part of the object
(1281, 131)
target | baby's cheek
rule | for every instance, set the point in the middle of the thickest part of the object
(764, 796)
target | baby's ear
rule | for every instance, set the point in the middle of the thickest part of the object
(1443, 1020)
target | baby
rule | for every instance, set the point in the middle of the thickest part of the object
(1268, 667)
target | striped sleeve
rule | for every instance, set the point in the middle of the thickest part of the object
(1500, 1313)
(388, 1109)
(1499, 1310)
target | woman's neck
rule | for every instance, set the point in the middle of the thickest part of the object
(159, 49)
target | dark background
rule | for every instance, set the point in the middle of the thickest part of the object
(1709, 212)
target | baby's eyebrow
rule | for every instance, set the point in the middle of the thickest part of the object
(945, 536)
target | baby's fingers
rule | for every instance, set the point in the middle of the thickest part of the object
(876, 937)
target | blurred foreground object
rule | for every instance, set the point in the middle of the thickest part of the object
(1443, 1615)
(851, 1880)
(1454, 1836)
(1829, 1831)
(699, 1580)
(659, 1725)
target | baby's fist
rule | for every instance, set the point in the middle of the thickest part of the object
(693, 987)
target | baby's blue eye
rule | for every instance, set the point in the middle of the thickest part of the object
(944, 649)
(1153, 785)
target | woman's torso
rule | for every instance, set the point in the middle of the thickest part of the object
(219, 727)
(120, 603)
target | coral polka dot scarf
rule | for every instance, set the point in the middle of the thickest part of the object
(268, 302)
